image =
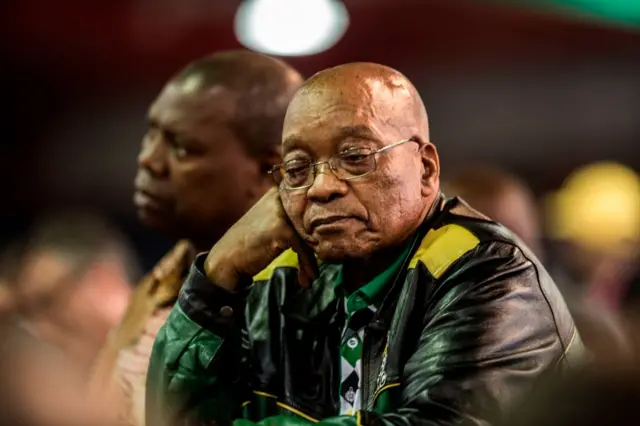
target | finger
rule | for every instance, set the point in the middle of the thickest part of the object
(308, 260)
(303, 278)
(185, 252)
(178, 257)
(308, 266)
(176, 260)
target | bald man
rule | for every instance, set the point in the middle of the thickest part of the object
(501, 196)
(213, 134)
(419, 311)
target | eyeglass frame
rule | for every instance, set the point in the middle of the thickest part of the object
(314, 166)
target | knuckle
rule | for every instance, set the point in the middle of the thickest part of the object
(278, 245)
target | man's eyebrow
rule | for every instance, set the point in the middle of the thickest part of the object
(359, 131)
(152, 121)
(291, 143)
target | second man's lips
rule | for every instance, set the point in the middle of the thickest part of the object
(145, 198)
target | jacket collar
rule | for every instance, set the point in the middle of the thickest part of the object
(383, 318)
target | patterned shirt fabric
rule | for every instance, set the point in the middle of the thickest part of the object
(351, 354)
(359, 309)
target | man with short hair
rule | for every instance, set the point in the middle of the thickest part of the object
(420, 312)
(213, 134)
(73, 283)
(69, 284)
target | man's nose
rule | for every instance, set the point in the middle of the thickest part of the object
(326, 186)
(153, 155)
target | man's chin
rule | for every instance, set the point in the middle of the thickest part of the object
(155, 221)
(340, 251)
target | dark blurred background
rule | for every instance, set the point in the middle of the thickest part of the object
(534, 108)
(532, 89)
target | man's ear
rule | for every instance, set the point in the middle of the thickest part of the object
(431, 168)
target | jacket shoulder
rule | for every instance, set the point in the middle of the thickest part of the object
(457, 230)
(288, 259)
(441, 247)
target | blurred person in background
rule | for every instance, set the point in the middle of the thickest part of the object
(74, 283)
(7, 301)
(595, 221)
(508, 200)
(70, 284)
(213, 134)
(501, 196)
(632, 290)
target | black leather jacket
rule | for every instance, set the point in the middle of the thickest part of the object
(469, 325)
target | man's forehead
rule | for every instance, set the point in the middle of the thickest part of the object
(184, 100)
(351, 90)
(368, 99)
(338, 114)
(191, 92)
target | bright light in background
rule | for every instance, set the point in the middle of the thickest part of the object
(598, 206)
(291, 27)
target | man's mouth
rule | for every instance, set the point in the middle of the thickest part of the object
(147, 200)
(330, 223)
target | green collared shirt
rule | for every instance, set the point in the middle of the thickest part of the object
(359, 308)
(373, 292)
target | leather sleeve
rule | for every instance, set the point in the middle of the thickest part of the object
(198, 356)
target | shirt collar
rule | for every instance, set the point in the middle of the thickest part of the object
(373, 292)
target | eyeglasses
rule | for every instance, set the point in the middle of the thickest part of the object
(346, 165)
